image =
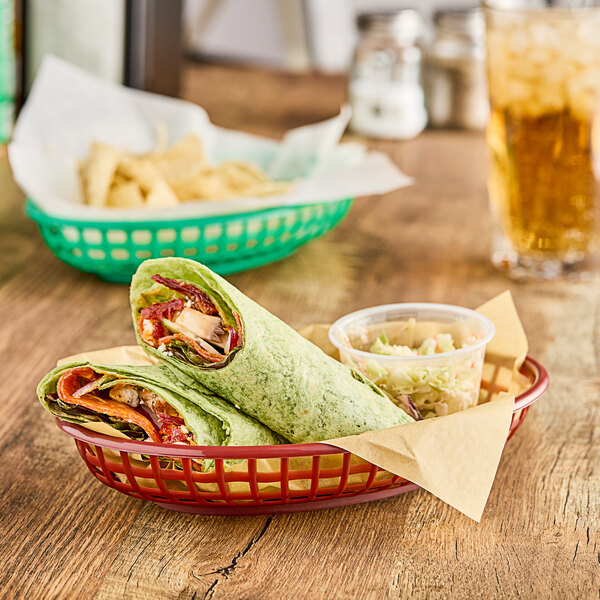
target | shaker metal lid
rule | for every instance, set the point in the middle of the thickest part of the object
(406, 23)
(462, 21)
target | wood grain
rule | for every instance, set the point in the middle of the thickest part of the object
(64, 535)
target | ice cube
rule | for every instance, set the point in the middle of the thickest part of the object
(544, 34)
(587, 32)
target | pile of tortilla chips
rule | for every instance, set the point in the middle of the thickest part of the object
(114, 178)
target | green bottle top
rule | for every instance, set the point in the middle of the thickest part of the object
(8, 68)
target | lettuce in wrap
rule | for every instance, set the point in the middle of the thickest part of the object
(148, 403)
(204, 328)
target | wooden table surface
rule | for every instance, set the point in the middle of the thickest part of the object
(64, 535)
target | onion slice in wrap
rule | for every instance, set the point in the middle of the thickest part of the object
(148, 403)
(263, 367)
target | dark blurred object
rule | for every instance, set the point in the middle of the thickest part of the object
(153, 45)
(8, 68)
(455, 81)
(135, 42)
(385, 81)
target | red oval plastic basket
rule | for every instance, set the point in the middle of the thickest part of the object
(305, 476)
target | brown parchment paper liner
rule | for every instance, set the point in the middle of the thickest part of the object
(454, 457)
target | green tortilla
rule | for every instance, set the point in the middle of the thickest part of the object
(212, 421)
(276, 375)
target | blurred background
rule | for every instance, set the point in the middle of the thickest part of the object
(396, 60)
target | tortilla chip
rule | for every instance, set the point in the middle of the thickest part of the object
(161, 196)
(98, 172)
(229, 179)
(119, 179)
(190, 147)
(140, 170)
(125, 195)
(241, 175)
(163, 178)
(208, 185)
(182, 161)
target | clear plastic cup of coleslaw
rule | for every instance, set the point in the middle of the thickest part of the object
(428, 358)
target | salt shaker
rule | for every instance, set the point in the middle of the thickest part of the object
(385, 82)
(454, 71)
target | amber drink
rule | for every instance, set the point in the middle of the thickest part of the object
(543, 136)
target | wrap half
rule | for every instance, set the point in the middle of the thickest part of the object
(201, 326)
(147, 403)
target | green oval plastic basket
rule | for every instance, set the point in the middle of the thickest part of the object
(226, 244)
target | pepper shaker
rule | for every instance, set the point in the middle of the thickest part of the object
(454, 71)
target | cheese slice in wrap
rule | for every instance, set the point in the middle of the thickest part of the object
(147, 403)
(204, 328)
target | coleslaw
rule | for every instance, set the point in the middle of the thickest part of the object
(428, 358)
(436, 388)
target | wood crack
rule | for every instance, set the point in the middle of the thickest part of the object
(163, 567)
(567, 496)
(136, 559)
(558, 454)
(210, 591)
(226, 571)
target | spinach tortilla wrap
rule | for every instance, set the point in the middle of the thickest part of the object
(202, 326)
(147, 403)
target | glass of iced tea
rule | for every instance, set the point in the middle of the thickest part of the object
(543, 135)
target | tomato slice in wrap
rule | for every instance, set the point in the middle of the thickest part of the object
(77, 379)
